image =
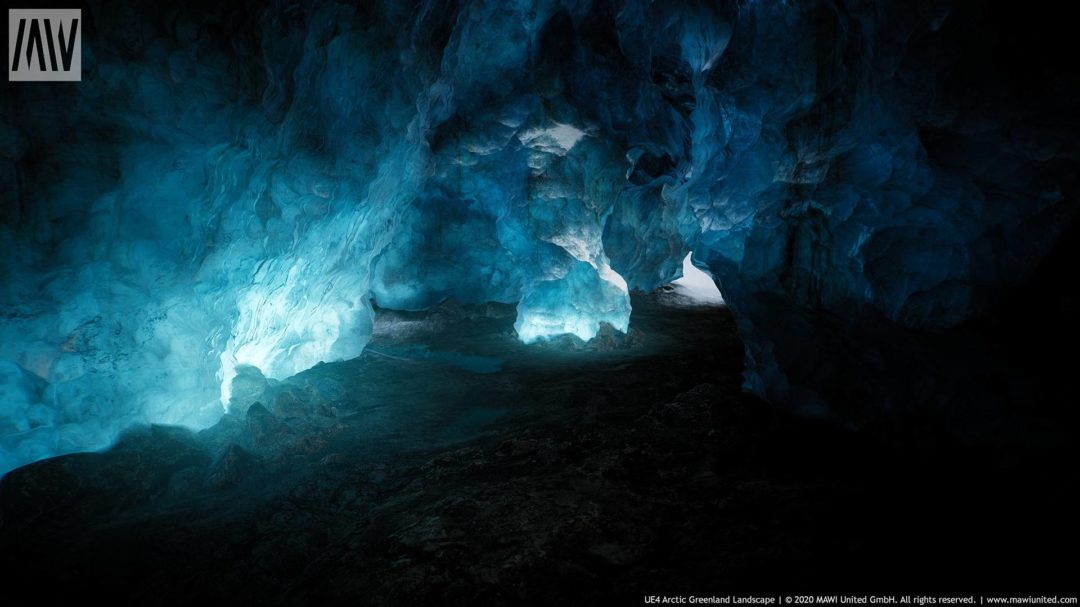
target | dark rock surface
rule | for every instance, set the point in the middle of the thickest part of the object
(416, 475)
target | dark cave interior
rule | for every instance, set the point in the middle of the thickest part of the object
(380, 302)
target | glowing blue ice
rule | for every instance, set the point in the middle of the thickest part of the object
(574, 304)
(197, 204)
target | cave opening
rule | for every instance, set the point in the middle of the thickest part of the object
(696, 286)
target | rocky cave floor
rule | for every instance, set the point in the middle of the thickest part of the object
(450, 464)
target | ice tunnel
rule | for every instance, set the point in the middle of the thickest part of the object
(237, 185)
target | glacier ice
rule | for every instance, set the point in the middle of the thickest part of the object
(233, 188)
(574, 304)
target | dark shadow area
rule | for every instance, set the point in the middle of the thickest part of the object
(450, 464)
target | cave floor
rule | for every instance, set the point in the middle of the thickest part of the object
(451, 464)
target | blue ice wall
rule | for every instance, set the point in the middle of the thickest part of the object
(235, 184)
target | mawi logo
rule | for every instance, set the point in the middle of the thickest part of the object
(45, 44)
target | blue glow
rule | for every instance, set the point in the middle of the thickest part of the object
(575, 304)
(193, 206)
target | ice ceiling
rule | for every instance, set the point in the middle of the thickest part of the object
(232, 185)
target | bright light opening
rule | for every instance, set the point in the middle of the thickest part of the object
(696, 285)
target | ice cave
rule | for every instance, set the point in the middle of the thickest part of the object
(261, 247)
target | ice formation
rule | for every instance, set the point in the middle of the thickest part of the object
(235, 185)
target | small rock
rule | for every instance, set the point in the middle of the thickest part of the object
(289, 402)
(231, 467)
(333, 459)
(247, 387)
(308, 444)
(264, 427)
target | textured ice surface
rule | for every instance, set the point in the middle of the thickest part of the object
(574, 304)
(234, 185)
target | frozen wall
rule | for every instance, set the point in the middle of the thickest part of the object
(232, 185)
